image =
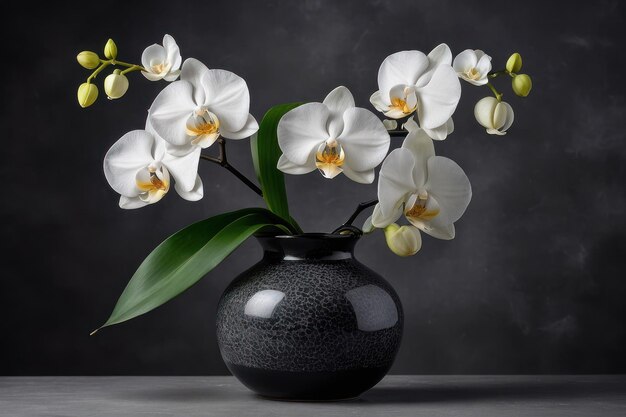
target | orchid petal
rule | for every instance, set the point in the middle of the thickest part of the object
(170, 110)
(129, 154)
(301, 131)
(362, 177)
(364, 139)
(130, 203)
(228, 97)
(422, 148)
(193, 71)
(403, 67)
(484, 66)
(440, 55)
(338, 101)
(390, 124)
(172, 76)
(288, 167)
(395, 182)
(184, 168)
(439, 98)
(449, 185)
(438, 227)
(378, 102)
(465, 61)
(195, 193)
(153, 54)
(441, 132)
(173, 52)
(249, 129)
(410, 125)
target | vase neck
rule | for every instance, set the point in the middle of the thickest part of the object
(309, 246)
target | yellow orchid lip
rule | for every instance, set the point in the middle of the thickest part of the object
(416, 207)
(329, 158)
(203, 125)
(153, 183)
(400, 104)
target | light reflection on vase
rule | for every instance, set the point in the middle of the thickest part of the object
(263, 303)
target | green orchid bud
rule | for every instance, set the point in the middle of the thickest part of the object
(403, 240)
(115, 85)
(514, 63)
(88, 59)
(522, 84)
(110, 49)
(87, 94)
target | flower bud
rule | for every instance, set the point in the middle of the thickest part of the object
(115, 85)
(110, 49)
(403, 240)
(522, 84)
(88, 59)
(87, 94)
(514, 63)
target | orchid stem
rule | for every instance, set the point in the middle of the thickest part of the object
(223, 162)
(98, 71)
(133, 68)
(347, 226)
(494, 91)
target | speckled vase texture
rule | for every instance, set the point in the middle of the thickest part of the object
(309, 322)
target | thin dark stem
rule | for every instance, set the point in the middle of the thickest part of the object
(347, 226)
(222, 161)
(359, 209)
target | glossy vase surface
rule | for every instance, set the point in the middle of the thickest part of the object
(309, 322)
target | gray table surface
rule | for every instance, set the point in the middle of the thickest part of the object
(431, 396)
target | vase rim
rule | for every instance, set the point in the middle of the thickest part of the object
(311, 235)
(309, 246)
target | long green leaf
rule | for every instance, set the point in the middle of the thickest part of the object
(265, 155)
(186, 256)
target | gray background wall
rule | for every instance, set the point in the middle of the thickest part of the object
(533, 282)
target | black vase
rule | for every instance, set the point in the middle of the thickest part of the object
(309, 322)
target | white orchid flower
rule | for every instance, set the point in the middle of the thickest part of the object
(410, 81)
(431, 191)
(496, 116)
(162, 61)
(334, 137)
(204, 105)
(473, 66)
(138, 168)
(439, 133)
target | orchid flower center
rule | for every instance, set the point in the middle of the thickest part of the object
(407, 103)
(153, 183)
(160, 67)
(204, 127)
(417, 207)
(329, 158)
(472, 74)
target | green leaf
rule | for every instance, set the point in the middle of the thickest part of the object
(186, 256)
(265, 154)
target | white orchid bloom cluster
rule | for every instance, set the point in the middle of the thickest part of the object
(418, 93)
(186, 117)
